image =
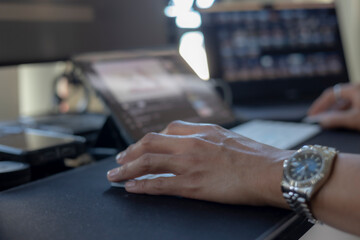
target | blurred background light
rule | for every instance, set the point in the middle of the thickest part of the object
(184, 5)
(170, 11)
(191, 43)
(190, 19)
(193, 51)
(204, 3)
(183, 11)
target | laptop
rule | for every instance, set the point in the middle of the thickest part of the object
(278, 57)
(147, 89)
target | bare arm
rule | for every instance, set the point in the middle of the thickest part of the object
(214, 164)
(338, 201)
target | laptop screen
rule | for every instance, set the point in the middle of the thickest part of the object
(284, 51)
(145, 93)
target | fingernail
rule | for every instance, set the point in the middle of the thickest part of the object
(112, 173)
(130, 184)
(120, 157)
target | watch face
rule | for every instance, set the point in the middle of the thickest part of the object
(304, 166)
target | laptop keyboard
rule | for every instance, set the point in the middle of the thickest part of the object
(283, 135)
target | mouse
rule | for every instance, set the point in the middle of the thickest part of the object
(148, 176)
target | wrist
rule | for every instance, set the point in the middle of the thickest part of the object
(272, 181)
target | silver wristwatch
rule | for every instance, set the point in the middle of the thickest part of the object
(305, 172)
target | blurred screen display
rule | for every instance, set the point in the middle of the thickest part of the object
(269, 46)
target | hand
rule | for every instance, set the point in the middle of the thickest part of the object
(210, 163)
(337, 111)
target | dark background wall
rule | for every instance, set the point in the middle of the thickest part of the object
(46, 30)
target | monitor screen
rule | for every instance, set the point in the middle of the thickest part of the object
(145, 94)
(40, 31)
(284, 51)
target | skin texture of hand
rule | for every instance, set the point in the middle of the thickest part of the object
(210, 163)
(331, 112)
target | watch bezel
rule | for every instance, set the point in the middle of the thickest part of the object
(318, 178)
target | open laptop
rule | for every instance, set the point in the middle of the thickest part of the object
(145, 90)
(277, 57)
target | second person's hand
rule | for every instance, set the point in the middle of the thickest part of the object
(338, 106)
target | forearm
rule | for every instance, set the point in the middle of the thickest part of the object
(338, 201)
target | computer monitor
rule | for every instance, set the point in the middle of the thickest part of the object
(42, 31)
(279, 52)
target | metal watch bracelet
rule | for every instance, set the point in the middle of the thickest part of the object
(299, 204)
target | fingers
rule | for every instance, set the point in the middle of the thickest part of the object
(151, 164)
(152, 143)
(329, 98)
(323, 103)
(148, 164)
(336, 119)
(177, 137)
(337, 107)
(158, 186)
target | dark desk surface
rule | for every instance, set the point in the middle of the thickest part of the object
(342, 140)
(80, 204)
